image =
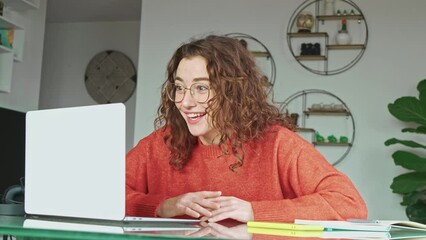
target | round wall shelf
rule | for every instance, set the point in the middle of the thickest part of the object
(261, 53)
(323, 119)
(328, 57)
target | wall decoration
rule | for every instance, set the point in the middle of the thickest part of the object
(325, 121)
(343, 37)
(110, 77)
(305, 21)
(339, 26)
(261, 53)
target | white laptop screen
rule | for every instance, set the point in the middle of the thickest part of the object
(75, 162)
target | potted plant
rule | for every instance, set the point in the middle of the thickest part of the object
(412, 184)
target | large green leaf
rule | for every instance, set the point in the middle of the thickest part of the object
(408, 109)
(407, 143)
(420, 129)
(409, 161)
(417, 212)
(408, 182)
(422, 96)
(421, 86)
(413, 197)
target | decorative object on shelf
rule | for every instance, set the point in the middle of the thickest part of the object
(310, 49)
(328, 63)
(338, 107)
(319, 138)
(7, 37)
(343, 139)
(343, 37)
(332, 107)
(294, 117)
(110, 77)
(309, 104)
(411, 184)
(316, 106)
(332, 139)
(305, 21)
(329, 7)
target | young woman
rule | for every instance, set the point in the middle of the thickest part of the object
(221, 150)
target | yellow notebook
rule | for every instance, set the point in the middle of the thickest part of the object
(323, 234)
(286, 226)
(285, 232)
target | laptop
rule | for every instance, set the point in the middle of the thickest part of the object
(75, 164)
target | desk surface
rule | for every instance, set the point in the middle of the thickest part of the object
(21, 228)
(60, 229)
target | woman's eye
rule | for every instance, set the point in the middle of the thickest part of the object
(202, 88)
(179, 88)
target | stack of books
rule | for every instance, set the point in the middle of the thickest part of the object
(351, 229)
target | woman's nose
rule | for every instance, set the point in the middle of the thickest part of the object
(188, 100)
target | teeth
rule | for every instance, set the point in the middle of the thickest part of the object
(195, 115)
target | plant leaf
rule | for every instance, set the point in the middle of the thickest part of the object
(413, 197)
(422, 97)
(421, 86)
(417, 212)
(408, 109)
(408, 182)
(409, 160)
(407, 143)
(420, 130)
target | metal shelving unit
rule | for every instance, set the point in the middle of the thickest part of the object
(316, 32)
(307, 112)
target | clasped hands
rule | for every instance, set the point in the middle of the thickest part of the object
(209, 206)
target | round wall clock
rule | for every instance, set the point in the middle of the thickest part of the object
(110, 77)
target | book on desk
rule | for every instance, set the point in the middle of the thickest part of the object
(354, 229)
(365, 225)
(342, 234)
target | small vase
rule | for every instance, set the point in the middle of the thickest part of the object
(329, 7)
(305, 21)
(343, 37)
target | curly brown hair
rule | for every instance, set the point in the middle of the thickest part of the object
(240, 90)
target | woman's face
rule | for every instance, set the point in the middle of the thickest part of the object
(193, 72)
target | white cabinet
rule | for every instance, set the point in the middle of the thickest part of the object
(21, 5)
(10, 56)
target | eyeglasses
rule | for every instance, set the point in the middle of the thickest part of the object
(199, 91)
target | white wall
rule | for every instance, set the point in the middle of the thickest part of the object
(27, 74)
(391, 67)
(69, 47)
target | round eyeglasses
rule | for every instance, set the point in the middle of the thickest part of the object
(200, 92)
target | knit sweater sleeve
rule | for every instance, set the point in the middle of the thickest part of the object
(139, 202)
(312, 188)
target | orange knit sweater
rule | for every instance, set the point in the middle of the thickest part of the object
(283, 176)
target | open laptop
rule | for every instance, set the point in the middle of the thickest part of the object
(75, 163)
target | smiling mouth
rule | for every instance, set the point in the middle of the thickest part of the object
(194, 116)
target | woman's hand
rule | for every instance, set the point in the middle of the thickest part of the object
(194, 204)
(231, 207)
